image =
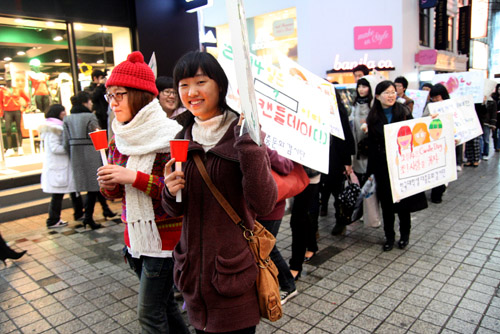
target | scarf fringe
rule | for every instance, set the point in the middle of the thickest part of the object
(144, 237)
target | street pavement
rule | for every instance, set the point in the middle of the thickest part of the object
(447, 280)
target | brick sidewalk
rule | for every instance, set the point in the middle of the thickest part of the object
(446, 281)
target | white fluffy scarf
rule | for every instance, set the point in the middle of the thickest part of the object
(147, 134)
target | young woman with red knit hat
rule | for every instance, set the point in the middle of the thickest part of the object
(138, 153)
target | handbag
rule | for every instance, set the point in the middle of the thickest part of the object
(261, 242)
(292, 184)
(348, 198)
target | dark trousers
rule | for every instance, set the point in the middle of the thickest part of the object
(285, 277)
(333, 183)
(437, 193)
(55, 206)
(13, 117)
(388, 214)
(303, 226)
(249, 330)
(92, 196)
(42, 102)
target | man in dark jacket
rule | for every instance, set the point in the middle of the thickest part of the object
(487, 114)
(97, 89)
(340, 164)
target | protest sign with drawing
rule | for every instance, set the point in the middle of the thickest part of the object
(467, 124)
(289, 66)
(419, 98)
(420, 154)
(293, 115)
(462, 84)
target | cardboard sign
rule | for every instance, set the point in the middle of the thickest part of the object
(467, 125)
(462, 84)
(420, 154)
(292, 114)
(420, 99)
(324, 87)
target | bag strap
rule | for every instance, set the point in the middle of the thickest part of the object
(217, 194)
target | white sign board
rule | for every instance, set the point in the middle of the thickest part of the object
(420, 154)
(467, 124)
(462, 84)
(420, 99)
(289, 66)
(292, 114)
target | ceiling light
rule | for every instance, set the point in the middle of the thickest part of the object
(50, 24)
(100, 61)
(58, 38)
(1, 78)
(21, 53)
(58, 60)
(103, 28)
(35, 62)
(78, 26)
(7, 59)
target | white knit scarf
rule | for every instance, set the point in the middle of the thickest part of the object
(208, 133)
(147, 134)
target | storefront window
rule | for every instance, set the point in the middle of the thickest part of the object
(36, 71)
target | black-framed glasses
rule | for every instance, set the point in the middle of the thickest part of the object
(169, 92)
(118, 96)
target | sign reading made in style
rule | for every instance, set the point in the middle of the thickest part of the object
(420, 154)
(373, 37)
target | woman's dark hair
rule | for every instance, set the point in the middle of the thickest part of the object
(189, 64)
(163, 83)
(366, 83)
(495, 94)
(439, 89)
(377, 112)
(402, 80)
(80, 98)
(363, 68)
(138, 99)
(54, 111)
(428, 85)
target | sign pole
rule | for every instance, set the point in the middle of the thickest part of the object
(244, 78)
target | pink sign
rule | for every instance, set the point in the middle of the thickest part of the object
(426, 57)
(373, 37)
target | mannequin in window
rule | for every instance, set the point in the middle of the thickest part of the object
(38, 86)
(12, 101)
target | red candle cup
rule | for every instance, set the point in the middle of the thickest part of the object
(100, 141)
(178, 151)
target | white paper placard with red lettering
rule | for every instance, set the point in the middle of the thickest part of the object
(420, 154)
(289, 66)
(467, 125)
(462, 84)
(293, 115)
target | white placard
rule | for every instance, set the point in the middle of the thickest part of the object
(420, 154)
(467, 125)
(292, 114)
(420, 99)
(462, 84)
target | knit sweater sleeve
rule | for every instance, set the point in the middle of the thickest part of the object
(115, 158)
(153, 184)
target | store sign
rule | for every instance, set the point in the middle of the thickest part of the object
(371, 64)
(373, 37)
(426, 57)
(428, 3)
(463, 42)
(283, 28)
(479, 18)
(441, 26)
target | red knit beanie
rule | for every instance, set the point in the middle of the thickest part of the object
(133, 73)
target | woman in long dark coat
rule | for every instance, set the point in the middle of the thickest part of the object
(385, 110)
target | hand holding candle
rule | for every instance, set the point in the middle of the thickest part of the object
(178, 151)
(100, 141)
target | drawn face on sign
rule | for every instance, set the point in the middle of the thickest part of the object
(435, 129)
(404, 138)
(420, 134)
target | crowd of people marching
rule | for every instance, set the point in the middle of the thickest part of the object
(192, 245)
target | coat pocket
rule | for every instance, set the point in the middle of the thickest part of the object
(235, 276)
(58, 177)
(181, 270)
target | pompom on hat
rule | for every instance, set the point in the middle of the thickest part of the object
(133, 73)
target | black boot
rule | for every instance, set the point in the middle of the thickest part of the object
(339, 229)
(93, 225)
(7, 253)
(107, 213)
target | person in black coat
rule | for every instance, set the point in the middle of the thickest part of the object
(385, 110)
(340, 165)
